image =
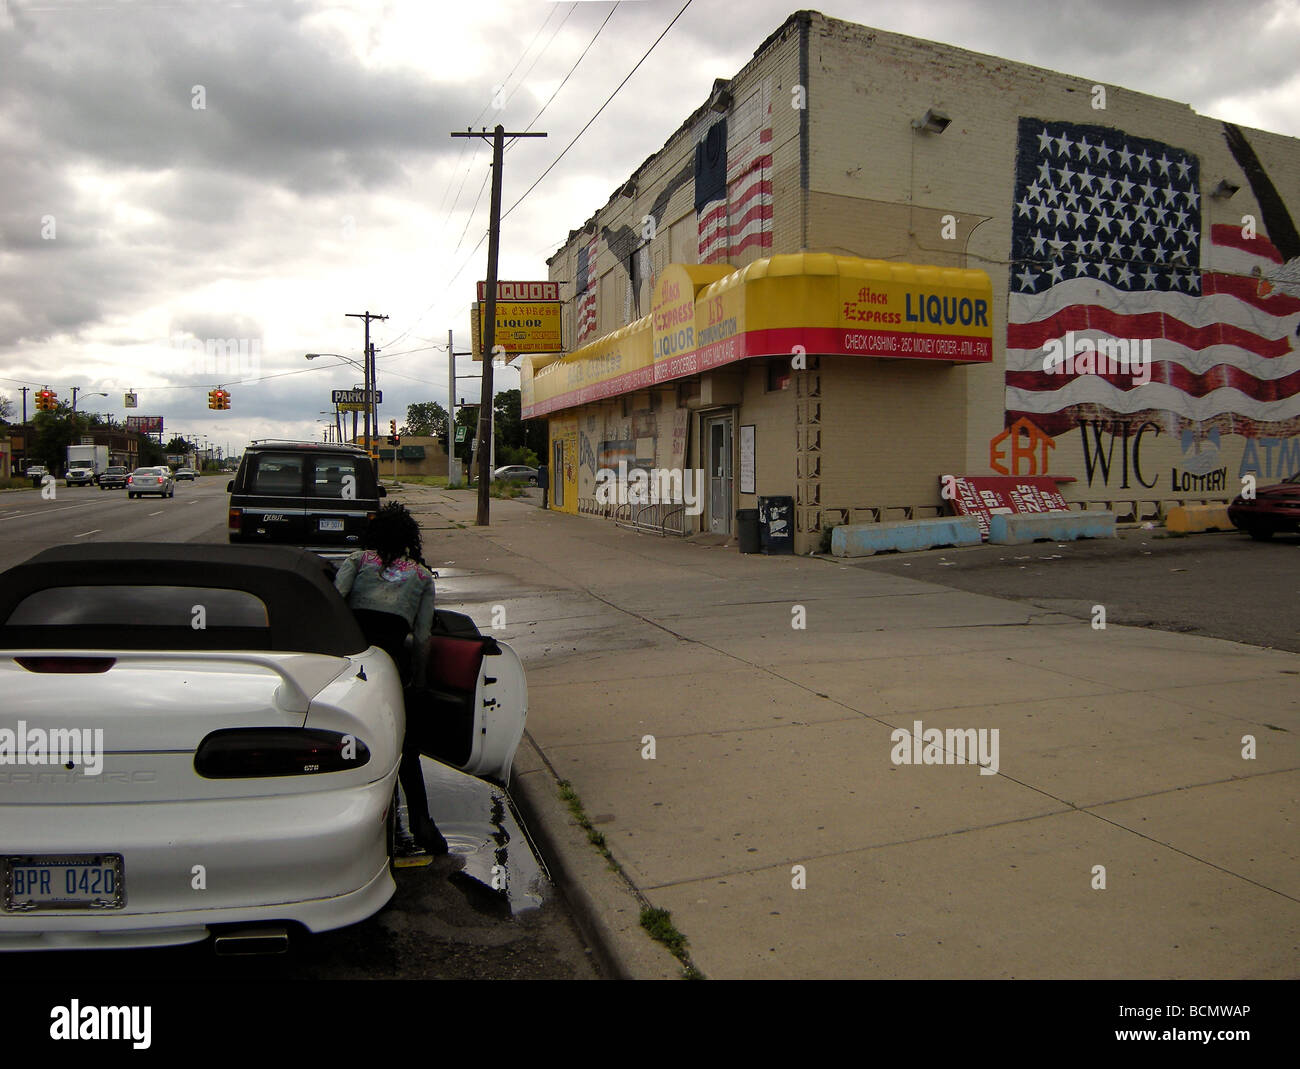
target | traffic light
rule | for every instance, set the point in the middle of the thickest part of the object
(47, 400)
(225, 399)
(214, 398)
(393, 437)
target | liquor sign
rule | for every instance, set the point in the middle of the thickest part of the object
(984, 496)
(522, 291)
(522, 327)
(145, 424)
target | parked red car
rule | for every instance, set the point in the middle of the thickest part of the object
(1273, 509)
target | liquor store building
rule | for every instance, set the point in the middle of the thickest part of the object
(839, 278)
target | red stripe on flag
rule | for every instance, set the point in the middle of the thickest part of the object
(1143, 325)
(1171, 374)
(1227, 234)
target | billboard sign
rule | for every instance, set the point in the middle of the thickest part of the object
(145, 424)
(522, 327)
(354, 400)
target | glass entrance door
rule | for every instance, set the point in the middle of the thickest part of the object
(718, 437)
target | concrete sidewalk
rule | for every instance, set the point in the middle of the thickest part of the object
(1120, 758)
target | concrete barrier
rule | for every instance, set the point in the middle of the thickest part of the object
(1012, 529)
(864, 539)
(1192, 519)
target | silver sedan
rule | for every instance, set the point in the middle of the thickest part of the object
(150, 481)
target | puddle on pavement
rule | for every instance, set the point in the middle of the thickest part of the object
(482, 830)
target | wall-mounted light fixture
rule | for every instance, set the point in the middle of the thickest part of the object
(1224, 190)
(932, 122)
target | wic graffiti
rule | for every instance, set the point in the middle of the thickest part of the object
(1130, 449)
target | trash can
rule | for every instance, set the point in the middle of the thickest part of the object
(747, 530)
(776, 524)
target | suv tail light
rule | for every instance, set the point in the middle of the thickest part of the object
(235, 519)
(247, 753)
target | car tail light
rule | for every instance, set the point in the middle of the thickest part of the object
(247, 753)
(77, 665)
(236, 517)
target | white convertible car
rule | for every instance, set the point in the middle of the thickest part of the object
(199, 739)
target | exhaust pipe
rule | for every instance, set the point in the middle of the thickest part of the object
(247, 941)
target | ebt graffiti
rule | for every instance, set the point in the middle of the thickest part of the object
(1099, 356)
(652, 486)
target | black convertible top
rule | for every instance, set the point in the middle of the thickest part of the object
(305, 613)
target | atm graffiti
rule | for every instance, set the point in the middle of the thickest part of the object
(1270, 458)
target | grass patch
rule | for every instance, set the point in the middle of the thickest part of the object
(501, 488)
(423, 480)
(658, 923)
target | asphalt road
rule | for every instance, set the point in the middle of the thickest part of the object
(444, 922)
(1221, 585)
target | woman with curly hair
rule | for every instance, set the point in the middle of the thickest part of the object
(390, 589)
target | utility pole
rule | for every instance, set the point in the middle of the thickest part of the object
(75, 389)
(483, 439)
(369, 356)
(24, 390)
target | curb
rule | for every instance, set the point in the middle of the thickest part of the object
(606, 906)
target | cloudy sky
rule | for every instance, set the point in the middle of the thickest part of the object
(318, 177)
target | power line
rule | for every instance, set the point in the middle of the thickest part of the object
(447, 287)
(599, 110)
(540, 54)
(575, 64)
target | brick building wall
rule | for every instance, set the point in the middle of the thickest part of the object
(856, 438)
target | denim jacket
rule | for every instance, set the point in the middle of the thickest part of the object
(404, 588)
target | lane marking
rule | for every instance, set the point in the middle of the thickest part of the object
(84, 533)
(158, 513)
(64, 508)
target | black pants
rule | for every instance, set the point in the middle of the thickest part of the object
(389, 631)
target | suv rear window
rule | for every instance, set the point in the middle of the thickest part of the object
(275, 473)
(336, 476)
(341, 476)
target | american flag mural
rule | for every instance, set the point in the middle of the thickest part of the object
(711, 193)
(733, 180)
(749, 174)
(585, 318)
(1109, 241)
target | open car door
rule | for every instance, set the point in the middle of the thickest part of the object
(472, 710)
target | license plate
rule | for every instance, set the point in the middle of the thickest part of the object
(76, 881)
(331, 525)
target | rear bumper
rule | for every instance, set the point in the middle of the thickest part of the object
(318, 859)
(1273, 520)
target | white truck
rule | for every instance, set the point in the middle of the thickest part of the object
(85, 464)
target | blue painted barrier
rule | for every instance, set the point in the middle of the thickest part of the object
(864, 539)
(1012, 530)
